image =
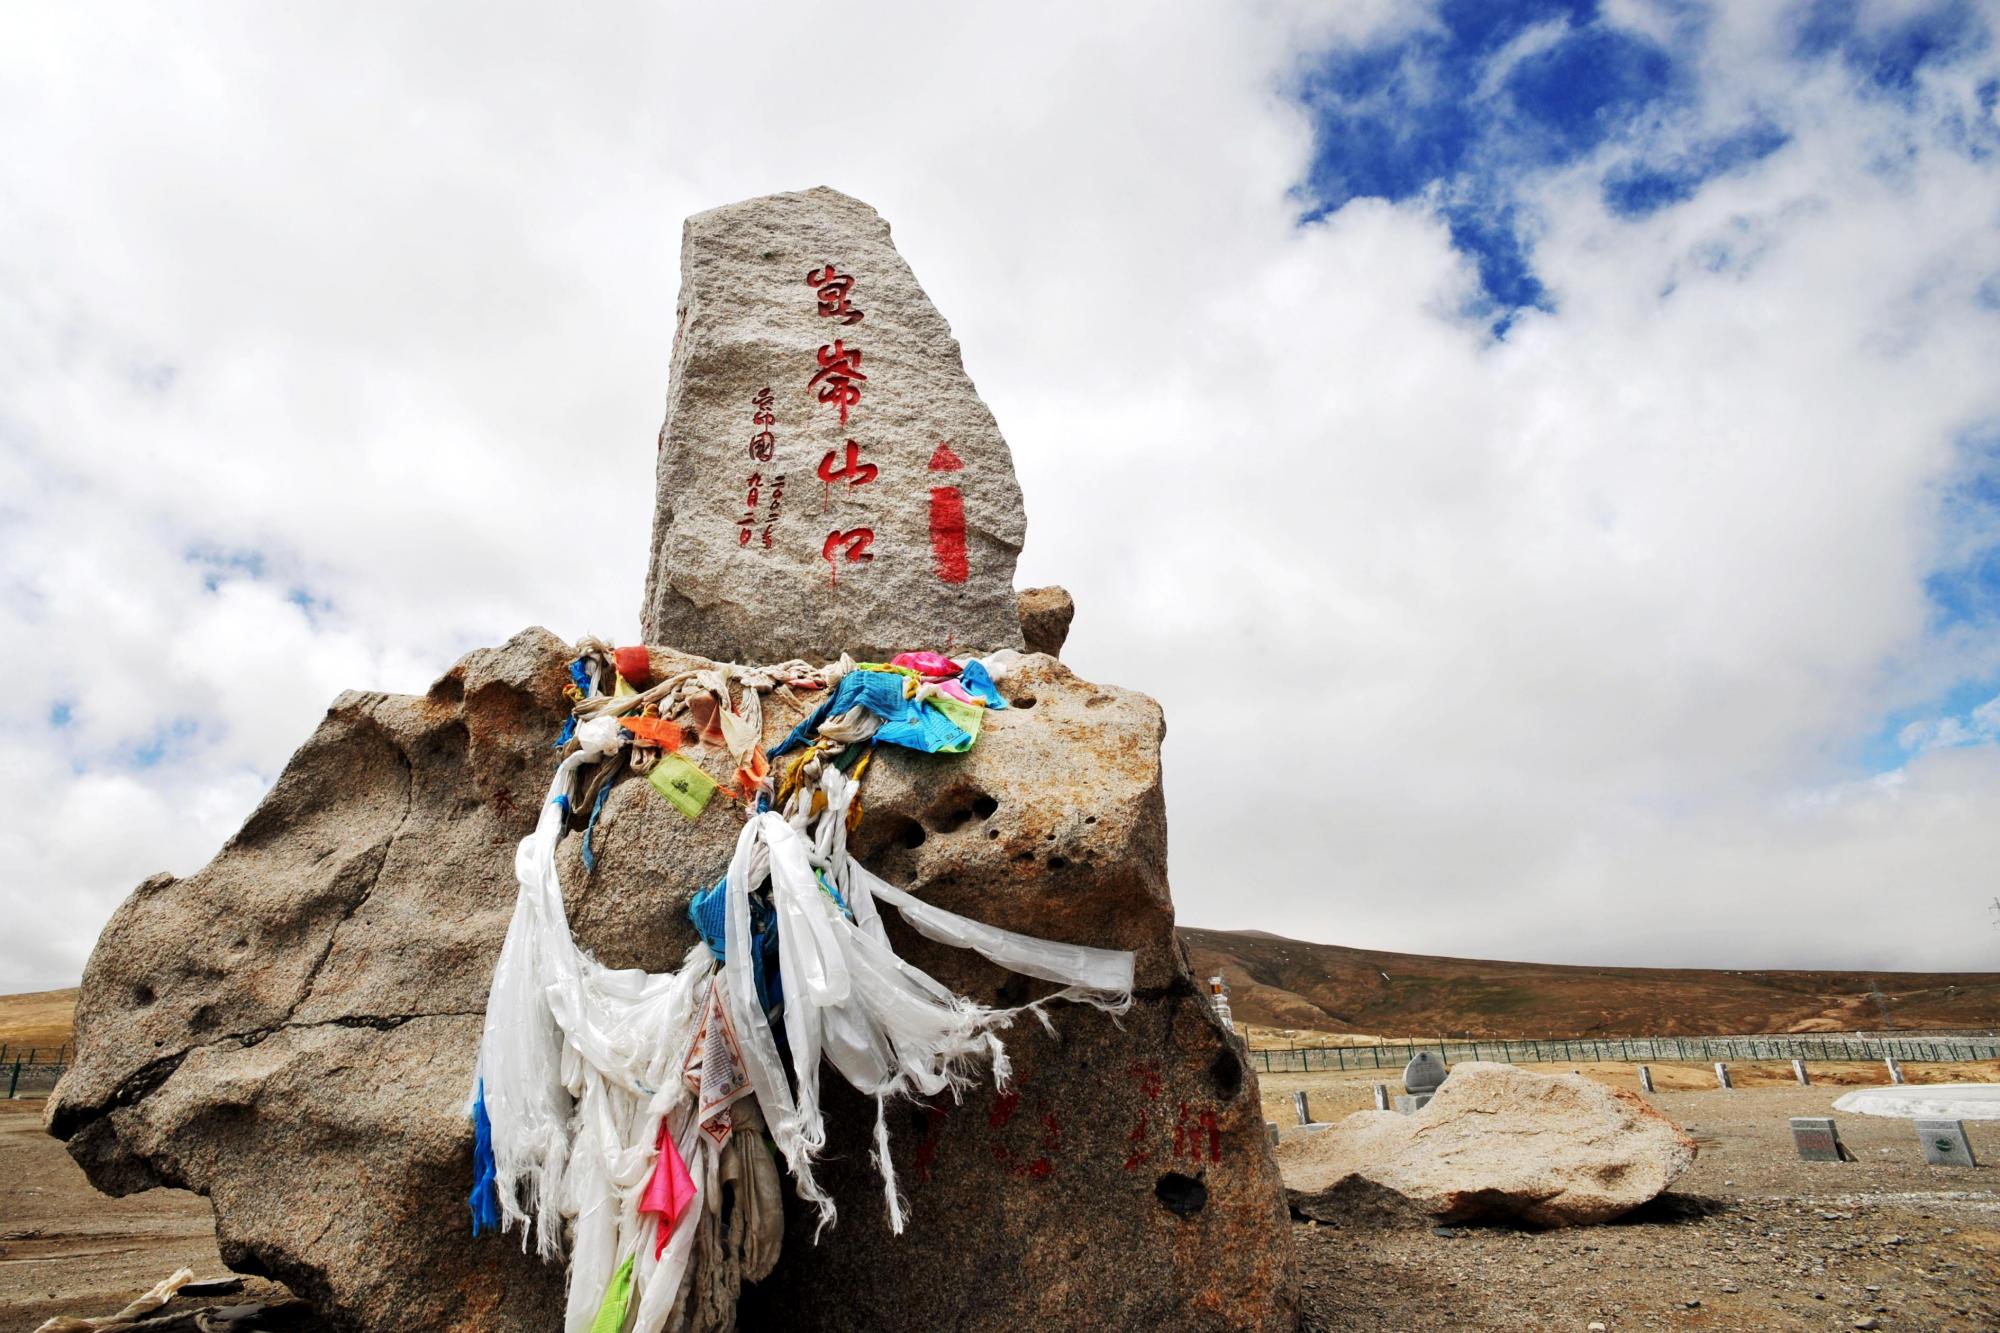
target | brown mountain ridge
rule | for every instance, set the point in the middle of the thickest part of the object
(1276, 982)
(1283, 983)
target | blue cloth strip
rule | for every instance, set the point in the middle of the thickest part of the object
(485, 1197)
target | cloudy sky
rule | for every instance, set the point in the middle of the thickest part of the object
(1544, 455)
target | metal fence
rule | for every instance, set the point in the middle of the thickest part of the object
(1909, 1048)
(33, 1069)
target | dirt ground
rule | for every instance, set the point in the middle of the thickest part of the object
(1751, 1238)
(66, 1249)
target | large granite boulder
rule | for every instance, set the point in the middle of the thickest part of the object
(829, 480)
(1495, 1143)
(291, 1031)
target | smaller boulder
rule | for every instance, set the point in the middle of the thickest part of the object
(1045, 617)
(1496, 1143)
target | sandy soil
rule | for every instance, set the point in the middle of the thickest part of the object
(66, 1249)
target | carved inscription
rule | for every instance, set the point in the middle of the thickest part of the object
(837, 382)
(763, 449)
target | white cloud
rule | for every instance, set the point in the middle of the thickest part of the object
(1520, 649)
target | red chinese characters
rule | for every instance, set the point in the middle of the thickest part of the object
(833, 287)
(837, 382)
(839, 379)
(763, 442)
(853, 546)
(853, 471)
(763, 448)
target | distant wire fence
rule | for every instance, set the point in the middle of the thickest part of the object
(1905, 1047)
(33, 1069)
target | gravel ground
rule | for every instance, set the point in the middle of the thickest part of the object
(1750, 1238)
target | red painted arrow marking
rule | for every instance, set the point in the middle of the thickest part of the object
(944, 460)
(948, 533)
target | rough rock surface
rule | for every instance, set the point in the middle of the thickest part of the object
(1045, 617)
(291, 1030)
(1495, 1143)
(811, 503)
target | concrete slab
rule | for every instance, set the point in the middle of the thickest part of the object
(1933, 1101)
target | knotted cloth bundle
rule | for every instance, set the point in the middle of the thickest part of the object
(616, 1103)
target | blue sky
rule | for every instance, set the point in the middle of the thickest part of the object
(1471, 108)
(1471, 112)
(1573, 425)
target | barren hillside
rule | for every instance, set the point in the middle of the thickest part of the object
(1276, 982)
(1281, 983)
(37, 1019)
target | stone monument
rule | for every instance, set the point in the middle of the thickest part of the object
(1944, 1143)
(1817, 1139)
(1424, 1075)
(291, 1030)
(829, 480)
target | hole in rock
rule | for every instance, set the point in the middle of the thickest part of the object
(142, 995)
(1090, 819)
(447, 690)
(1025, 701)
(1226, 1072)
(958, 807)
(993, 833)
(1184, 1196)
(1059, 863)
(887, 844)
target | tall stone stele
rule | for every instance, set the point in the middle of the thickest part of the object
(291, 1030)
(829, 480)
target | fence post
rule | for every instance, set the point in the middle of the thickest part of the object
(14, 1082)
